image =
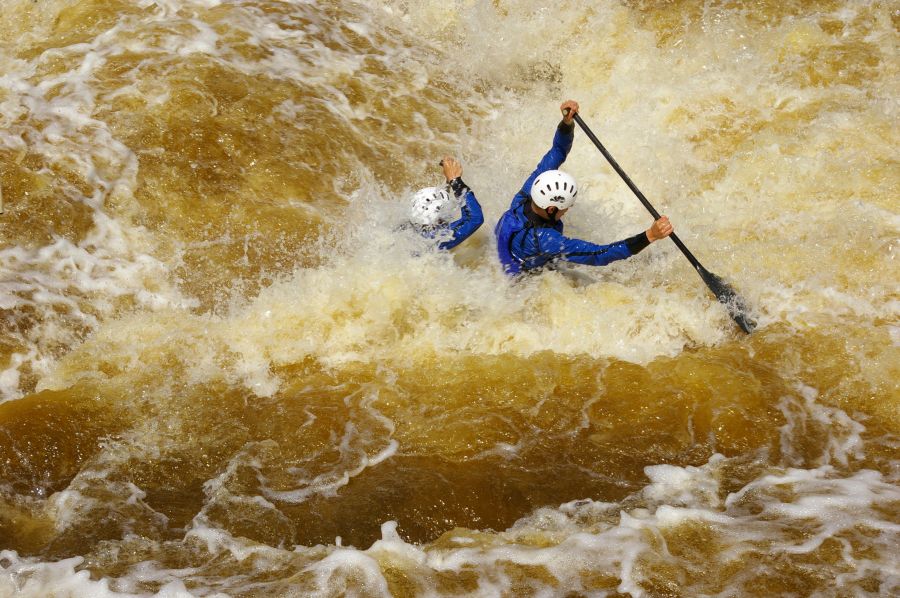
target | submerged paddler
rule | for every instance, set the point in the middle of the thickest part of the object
(433, 208)
(530, 233)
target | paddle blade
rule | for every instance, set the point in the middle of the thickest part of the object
(728, 297)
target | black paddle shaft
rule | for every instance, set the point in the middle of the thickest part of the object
(724, 293)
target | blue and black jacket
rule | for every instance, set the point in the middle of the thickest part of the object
(461, 229)
(526, 241)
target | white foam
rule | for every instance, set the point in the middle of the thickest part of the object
(579, 536)
(351, 572)
(30, 578)
(687, 486)
(843, 433)
(354, 462)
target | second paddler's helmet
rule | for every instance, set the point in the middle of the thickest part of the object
(554, 188)
(431, 206)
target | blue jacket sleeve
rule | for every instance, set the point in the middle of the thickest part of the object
(553, 159)
(472, 217)
(554, 243)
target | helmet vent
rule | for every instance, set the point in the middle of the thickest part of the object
(556, 188)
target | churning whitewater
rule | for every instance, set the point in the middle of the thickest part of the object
(228, 368)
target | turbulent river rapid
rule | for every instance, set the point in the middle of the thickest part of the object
(227, 369)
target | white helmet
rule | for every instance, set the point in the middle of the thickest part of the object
(554, 188)
(431, 206)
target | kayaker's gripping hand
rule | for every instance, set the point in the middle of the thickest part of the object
(661, 229)
(452, 168)
(569, 109)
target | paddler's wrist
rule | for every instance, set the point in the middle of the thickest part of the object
(638, 243)
(458, 186)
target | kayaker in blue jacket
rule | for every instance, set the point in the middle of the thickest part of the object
(432, 208)
(530, 233)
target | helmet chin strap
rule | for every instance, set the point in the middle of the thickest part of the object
(553, 213)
